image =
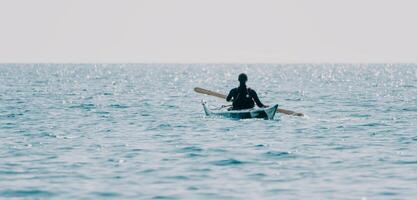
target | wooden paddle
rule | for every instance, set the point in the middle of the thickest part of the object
(211, 93)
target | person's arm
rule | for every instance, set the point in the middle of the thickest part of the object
(230, 96)
(257, 101)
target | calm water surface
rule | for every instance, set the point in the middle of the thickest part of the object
(138, 132)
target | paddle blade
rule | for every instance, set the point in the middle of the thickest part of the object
(208, 92)
(289, 112)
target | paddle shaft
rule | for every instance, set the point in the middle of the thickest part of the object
(216, 94)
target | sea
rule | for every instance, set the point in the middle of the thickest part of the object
(138, 131)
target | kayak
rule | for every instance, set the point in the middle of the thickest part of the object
(263, 113)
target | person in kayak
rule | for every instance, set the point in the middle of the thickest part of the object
(243, 97)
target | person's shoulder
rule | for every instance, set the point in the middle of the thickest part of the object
(251, 90)
(234, 90)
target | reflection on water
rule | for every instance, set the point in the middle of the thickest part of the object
(139, 131)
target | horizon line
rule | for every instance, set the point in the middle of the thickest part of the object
(210, 63)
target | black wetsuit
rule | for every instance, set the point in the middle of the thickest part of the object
(243, 98)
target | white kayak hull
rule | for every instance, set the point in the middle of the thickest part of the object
(263, 113)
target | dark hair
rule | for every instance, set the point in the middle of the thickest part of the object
(243, 78)
(242, 87)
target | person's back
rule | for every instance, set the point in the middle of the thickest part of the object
(242, 96)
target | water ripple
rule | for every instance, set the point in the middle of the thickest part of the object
(138, 131)
(32, 193)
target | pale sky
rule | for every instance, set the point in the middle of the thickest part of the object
(214, 31)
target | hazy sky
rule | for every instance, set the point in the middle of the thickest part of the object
(208, 31)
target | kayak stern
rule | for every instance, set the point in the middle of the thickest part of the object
(263, 113)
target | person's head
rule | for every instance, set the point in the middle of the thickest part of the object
(242, 78)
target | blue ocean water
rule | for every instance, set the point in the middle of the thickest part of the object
(138, 131)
